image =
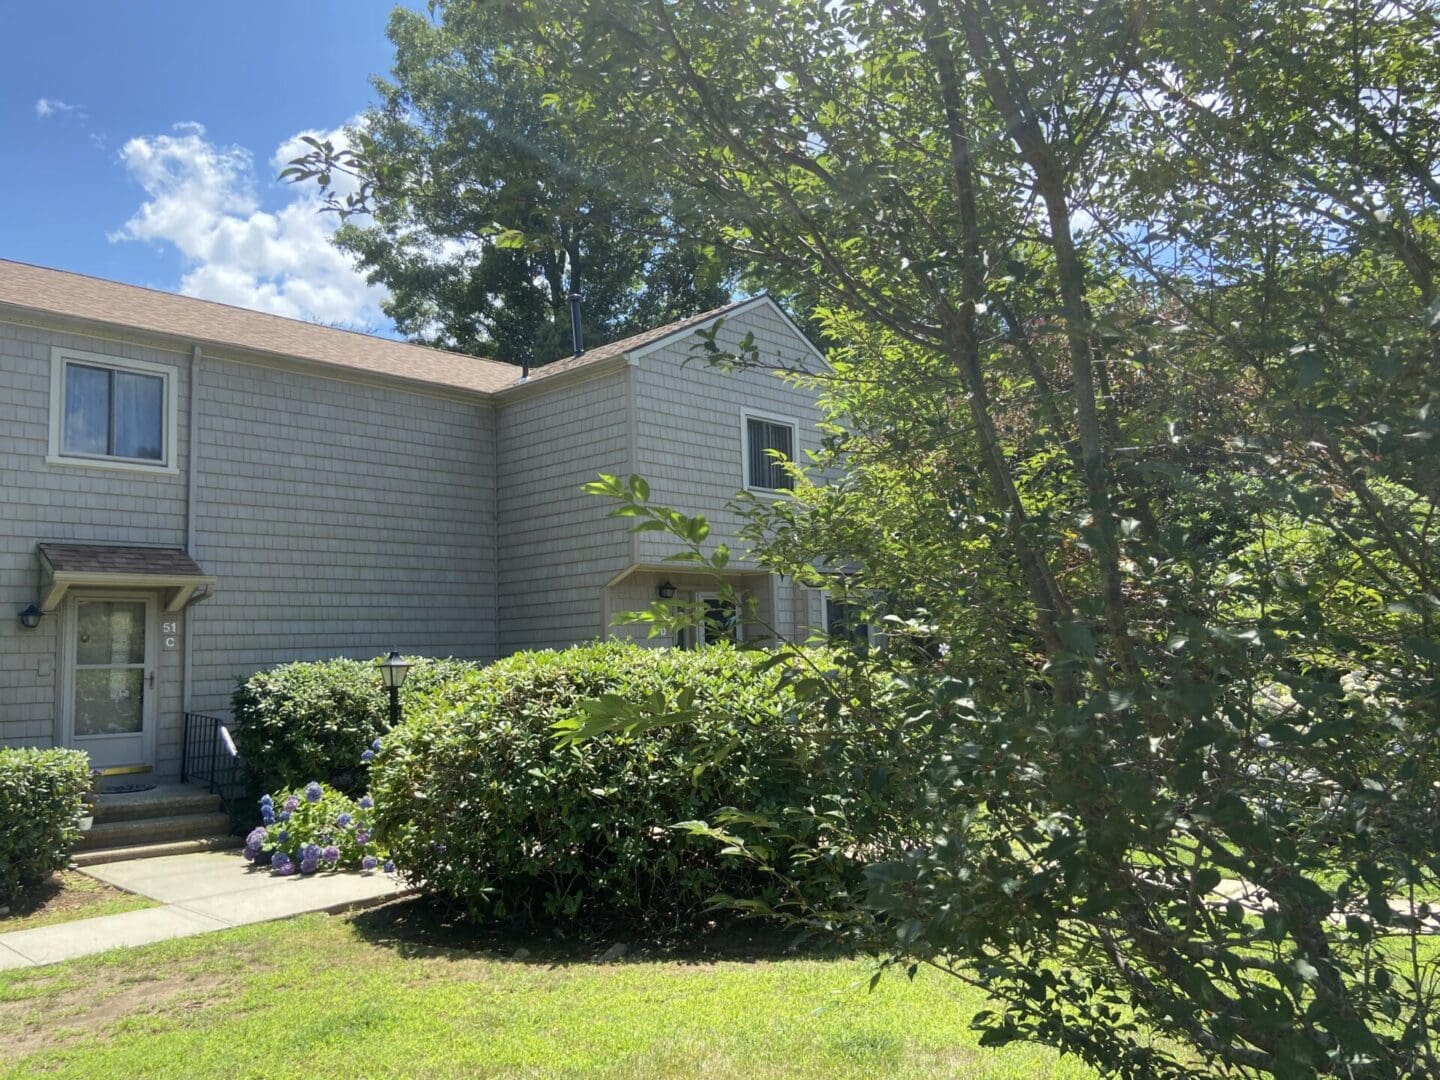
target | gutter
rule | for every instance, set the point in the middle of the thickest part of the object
(538, 380)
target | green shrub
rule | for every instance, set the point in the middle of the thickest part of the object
(481, 805)
(41, 794)
(314, 720)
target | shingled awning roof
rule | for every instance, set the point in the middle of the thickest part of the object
(65, 566)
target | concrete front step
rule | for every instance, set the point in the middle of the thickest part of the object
(164, 800)
(153, 830)
(155, 851)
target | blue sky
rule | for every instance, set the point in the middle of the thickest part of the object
(139, 141)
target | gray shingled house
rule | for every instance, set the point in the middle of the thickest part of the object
(193, 491)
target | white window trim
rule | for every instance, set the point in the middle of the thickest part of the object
(746, 415)
(58, 359)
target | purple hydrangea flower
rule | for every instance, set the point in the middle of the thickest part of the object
(375, 745)
(343, 821)
(249, 854)
(292, 803)
(309, 866)
(284, 836)
(362, 838)
(256, 838)
(331, 854)
(369, 862)
(368, 756)
(310, 851)
(389, 866)
(266, 800)
(284, 815)
(282, 865)
(366, 802)
(313, 792)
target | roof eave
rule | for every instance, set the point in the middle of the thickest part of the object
(228, 350)
(562, 378)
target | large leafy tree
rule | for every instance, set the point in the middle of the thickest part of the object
(481, 219)
(1139, 367)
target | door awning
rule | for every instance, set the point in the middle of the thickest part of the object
(113, 566)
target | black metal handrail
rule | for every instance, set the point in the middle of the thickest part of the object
(208, 756)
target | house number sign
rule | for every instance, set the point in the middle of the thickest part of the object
(168, 631)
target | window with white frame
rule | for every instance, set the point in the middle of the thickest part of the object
(111, 411)
(765, 438)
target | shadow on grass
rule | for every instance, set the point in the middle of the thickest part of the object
(34, 898)
(418, 926)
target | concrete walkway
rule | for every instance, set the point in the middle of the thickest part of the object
(199, 893)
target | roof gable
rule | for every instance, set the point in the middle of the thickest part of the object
(640, 344)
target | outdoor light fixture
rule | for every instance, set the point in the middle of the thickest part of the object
(393, 670)
(667, 591)
(30, 617)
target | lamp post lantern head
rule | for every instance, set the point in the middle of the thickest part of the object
(393, 670)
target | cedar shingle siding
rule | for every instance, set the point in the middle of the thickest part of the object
(349, 504)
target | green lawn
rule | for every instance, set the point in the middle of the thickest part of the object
(373, 995)
(65, 897)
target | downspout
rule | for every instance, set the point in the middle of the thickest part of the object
(192, 467)
(497, 476)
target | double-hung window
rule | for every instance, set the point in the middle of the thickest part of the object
(111, 412)
(765, 438)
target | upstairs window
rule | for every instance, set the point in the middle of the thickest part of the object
(762, 436)
(111, 412)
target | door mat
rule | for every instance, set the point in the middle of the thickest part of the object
(126, 789)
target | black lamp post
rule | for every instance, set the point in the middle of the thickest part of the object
(393, 670)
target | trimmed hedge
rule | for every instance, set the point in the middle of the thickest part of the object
(313, 720)
(41, 796)
(480, 805)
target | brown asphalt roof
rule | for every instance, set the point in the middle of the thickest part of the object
(118, 559)
(204, 322)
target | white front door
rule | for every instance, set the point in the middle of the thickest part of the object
(108, 708)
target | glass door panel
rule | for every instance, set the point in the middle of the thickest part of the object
(109, 714)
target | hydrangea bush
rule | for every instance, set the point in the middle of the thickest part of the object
(315, 828)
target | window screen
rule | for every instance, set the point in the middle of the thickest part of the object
(764, 436)
(111, 413)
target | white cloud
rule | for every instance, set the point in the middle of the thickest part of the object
(202, 198)
(48, 107)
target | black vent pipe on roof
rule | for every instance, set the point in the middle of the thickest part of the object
(577, 336)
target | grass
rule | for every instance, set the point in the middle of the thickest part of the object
(374, 996)
(65, 897)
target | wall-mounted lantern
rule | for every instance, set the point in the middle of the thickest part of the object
(666, 590)
(30, 617)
